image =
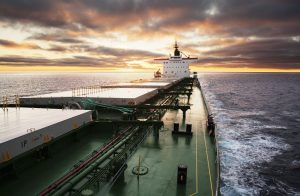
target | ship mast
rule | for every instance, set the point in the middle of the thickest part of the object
(176, 51)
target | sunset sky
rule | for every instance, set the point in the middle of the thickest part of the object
(126, 35)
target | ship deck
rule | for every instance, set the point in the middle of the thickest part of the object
(162, 155)
(22, 121)
(23, 129)
(146, 84)
(113, 92)
(113, 95)
(32, 176)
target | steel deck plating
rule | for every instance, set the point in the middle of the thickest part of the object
(23, 129)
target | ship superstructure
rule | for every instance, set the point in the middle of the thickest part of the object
(176, 66)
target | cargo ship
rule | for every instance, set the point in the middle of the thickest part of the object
(145, 137)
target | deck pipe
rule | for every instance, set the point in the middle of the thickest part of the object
(67, 186)
(83, 165)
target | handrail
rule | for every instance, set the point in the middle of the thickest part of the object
(85, 90)
(7, 100)
(89, 102)
(207, 107)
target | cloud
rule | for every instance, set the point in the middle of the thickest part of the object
(99, 57)
(269, 53)
(7, 43)
(58, 48)
(11, 44)
(121, 53)
(155, 15)
(77, 61)
(55, 37)
(227, 25)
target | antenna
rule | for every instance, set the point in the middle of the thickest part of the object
(185, 54)
(175, 45)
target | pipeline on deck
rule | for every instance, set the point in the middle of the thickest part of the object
(83, 168)
(91, 164)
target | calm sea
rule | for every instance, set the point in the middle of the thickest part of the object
(258, 117)
(24, 84)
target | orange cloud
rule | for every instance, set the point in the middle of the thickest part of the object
(221, 37)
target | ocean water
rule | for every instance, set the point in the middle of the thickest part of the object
(258, 118)
(27, 83)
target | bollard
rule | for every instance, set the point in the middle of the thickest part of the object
(176, 127)
(188, 128)
(181, 174)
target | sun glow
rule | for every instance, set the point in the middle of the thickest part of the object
(126, 38)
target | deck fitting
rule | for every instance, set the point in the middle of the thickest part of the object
(142, 170)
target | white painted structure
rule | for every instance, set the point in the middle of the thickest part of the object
(176, 66)
(145, 84)
(23, 129)
(112, 96)
(131, 93)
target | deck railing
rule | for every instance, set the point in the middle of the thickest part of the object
(88, 90)
(7, 101)
(207, 107)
